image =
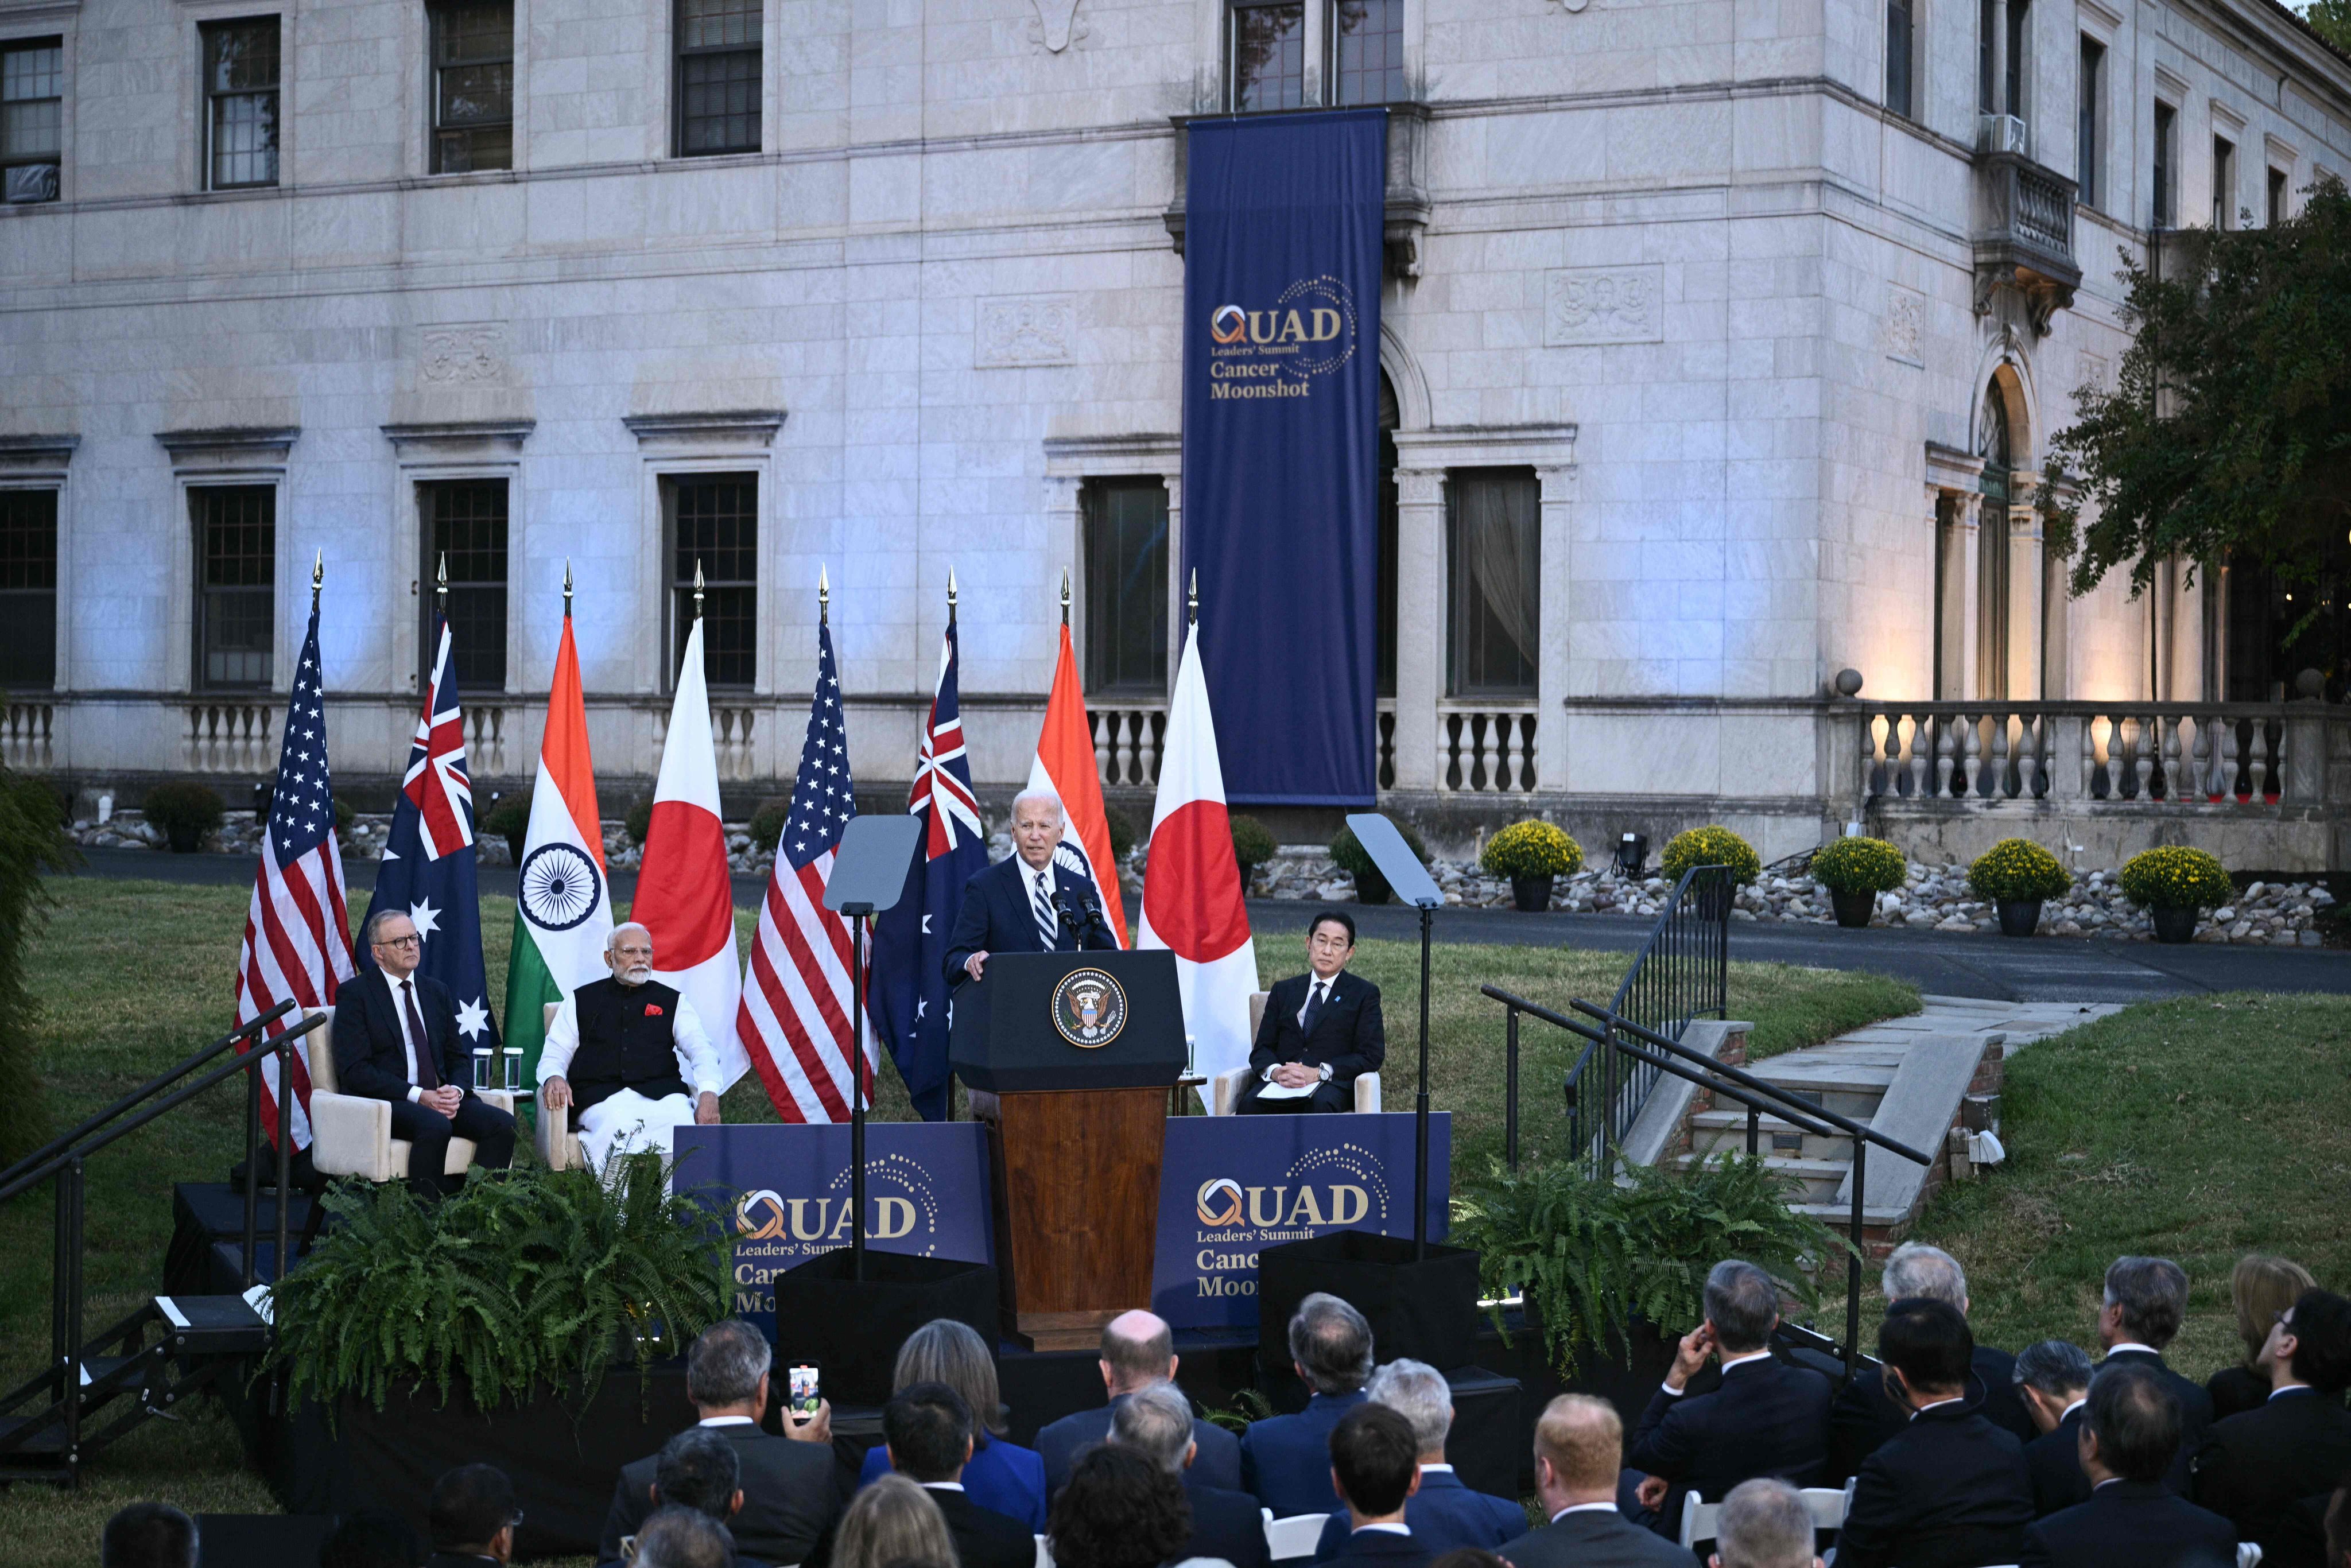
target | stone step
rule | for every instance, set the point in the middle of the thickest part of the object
(1711, 1130)
(1818, 1179)
(1851, 1090)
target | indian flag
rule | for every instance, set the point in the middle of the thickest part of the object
(563, 905)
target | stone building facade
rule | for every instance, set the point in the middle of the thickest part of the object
(1721, 341)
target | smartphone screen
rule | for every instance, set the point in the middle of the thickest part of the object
(804, 1394)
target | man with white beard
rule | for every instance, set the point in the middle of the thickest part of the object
(624, 1052)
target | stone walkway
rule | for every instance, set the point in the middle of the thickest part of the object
(2022, 1022)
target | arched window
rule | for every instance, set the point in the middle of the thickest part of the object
(1389, 418)
(1995, 445)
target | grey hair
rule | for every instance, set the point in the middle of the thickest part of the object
(678, 1537)
(1764, 1524)
(890, 1521)
(1332, 1345)
(1917, 1270)
(1060, 812)
(2153, 1295)
(727, 1363)
(1417, 1392)
(1742, 1302)
(614, 933)
(375, 924)
(2055, 1367)
(1156, 1422)
(946, 1351)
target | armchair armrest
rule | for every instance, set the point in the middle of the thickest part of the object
(1367, 1092)
(1225, 1091)
(351, 1135)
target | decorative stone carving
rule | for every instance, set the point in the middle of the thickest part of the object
(2096, 375)
(1904, 313)
(1603, 304)
(1025, 329)
(1420, 486)
(1055, 27)
(463, 353)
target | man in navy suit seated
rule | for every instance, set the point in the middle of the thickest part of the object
(1444, 1514)
(1286, 1459)
(1374, 1470)
(1156, 1422)
(1322, 1029)
(1138, 1352)
(1037, 902)
(2130, 1429)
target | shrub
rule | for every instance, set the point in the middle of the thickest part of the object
(1253, 845)
(1711, 845)
(2178, 876)
(1370, 885)
(768, 824)
(1532, 849)
(343, 815)
(184, 804)
(509, 817)
(32, 841)
(639, 821)
(1592, 1255)
(1859, 865)
(1122, 834)
(2017, 870)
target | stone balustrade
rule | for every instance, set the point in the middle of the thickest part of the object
(2178, 753)
(26, 732)
(1485, 750)
(1127, 739)
(230, 737)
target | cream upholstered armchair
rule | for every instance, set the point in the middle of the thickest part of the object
(1226, 1087)
(558, 1144)
(350, 1134)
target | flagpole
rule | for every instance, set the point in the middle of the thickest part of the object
(857, 922)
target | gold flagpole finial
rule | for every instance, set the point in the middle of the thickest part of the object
(1192, 599)
(317, 577)
(697, 587)
(1065, 596)
(441, 588)
(567, 588)
(823, 597)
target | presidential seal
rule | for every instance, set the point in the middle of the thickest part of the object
(1089, 1008)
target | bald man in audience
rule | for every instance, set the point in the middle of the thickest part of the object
(1138, 1352)
(627, 1059)
(1578, 1450)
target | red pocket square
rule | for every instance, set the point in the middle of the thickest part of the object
(652, 1010)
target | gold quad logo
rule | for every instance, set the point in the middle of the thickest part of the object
(1089, 1008)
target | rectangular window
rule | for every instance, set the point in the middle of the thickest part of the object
(1987, 29)
(1899, 28)
(1368, 35)
(1493, 562)
(2224, 182)
(28, 590)
(2088, 154)
(240, 103)
(1126, 525)
(2277, 206)
(237, 576)
(2020, 33)
(1269, 55)
(2166, 128)
(464, 523)
(32, 118)
(473, 85)
(714, 521)
(717, 77)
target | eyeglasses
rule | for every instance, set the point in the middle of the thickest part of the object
(412, 940)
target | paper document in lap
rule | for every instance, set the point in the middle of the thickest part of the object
(1272, 1090)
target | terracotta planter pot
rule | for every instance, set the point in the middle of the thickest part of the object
(2019, 917)
(2174, 922)
(1530, 894)
(1853, 909)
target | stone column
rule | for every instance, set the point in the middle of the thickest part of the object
(1957, 581)
(1420, 623)
(2023, 629)
(2000, 104)
(1558, 485)
(1177, 576)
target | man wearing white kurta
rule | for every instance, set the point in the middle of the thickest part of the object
(631, 1054)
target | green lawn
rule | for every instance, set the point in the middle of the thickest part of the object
(133, 976)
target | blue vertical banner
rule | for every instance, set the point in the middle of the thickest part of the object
(1283, 230)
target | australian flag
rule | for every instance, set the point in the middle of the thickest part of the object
(427, 873)
(907, 988)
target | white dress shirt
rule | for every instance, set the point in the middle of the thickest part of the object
(1329, 989)
(697, 1061)
(1728, 1363)
(1584, 1508)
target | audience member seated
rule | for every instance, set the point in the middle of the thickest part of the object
(2261, 1287)
(1444, 1514)
(895, 1523)
(1156, 1422)
(1286, 1459)
(1768, 1418)
(372, 1537)
(1579, 1454)
(1763, 1524)
(472, 1516)
(1121, 1509)
(1374, 1468)
(696, 1470)
(1003, 1476)
(1864, 1415)
(684, 1538)
(789, 1491)
(2145, 1303)
(927, 1431)
(1951, 1490)
(148, 1535)
(1320, 1031)
(2129, 1430)
(2054, 1377)
(1138, 1351)
(2257, 1467)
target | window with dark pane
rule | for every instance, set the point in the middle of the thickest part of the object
(28, 590)
(717, 77)
(241, 103)
(32, 118)
(236, 578)
(2224, 182)
(2020, 36)
(2277, 201)
(2166, 125)
(473, 86)
(1127, 585)
(1270, 55)
(1389, 418)
(1493, 572)
(464, 526)
(1369, 46)
(715, 519)
(2089, 150)
(1898, 29)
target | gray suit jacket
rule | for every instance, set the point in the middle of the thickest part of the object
(1596, 1540)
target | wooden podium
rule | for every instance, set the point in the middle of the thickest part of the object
(1077, 1052)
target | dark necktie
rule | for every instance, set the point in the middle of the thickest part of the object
(1314, 1001)
(427, 1078)
(1049, 928)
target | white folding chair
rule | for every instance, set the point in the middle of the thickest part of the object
(1697, 1520)
(2249, 1554)
(1294, 1537)
(1827, 1506)
(1044, 1554)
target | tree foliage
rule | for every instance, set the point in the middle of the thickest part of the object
(2228, 431)
(2331, 20)
(32, 841)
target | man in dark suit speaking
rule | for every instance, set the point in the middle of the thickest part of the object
(1029, 904)
(1322, 1029)
(396, 1039)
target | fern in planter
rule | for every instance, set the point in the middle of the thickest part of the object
(524, 1281)
(1592, 1256)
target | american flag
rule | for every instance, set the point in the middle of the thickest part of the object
(297, 941)
(793, 1019)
